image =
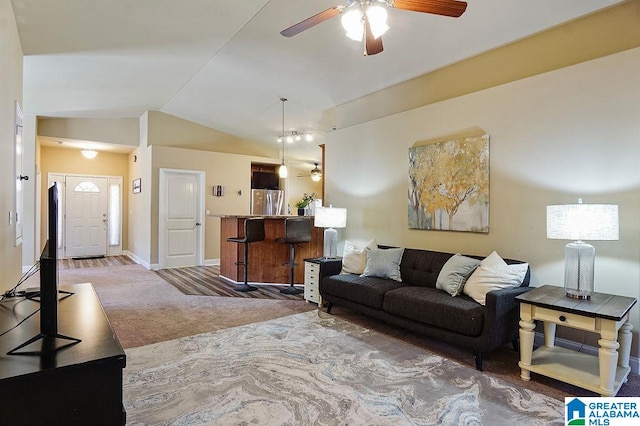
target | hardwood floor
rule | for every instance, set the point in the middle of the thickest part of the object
(95, 262)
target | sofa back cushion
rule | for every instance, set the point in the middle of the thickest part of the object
(421, 267)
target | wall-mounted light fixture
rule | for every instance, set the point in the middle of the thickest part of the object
(218, 190)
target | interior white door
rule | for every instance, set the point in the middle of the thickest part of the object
(181, 227)
(86, 210)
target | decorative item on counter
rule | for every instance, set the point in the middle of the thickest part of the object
(302, 205)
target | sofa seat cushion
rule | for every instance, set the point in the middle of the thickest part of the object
(435, 307)
(368, 291)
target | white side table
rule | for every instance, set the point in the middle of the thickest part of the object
(314, 270)
(605, 314)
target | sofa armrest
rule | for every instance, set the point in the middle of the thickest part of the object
(500, 302)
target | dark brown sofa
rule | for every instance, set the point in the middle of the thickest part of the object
(416, 304)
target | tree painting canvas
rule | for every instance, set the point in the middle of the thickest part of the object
(449, 185)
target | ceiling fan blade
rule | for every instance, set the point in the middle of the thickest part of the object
(310, 22)
(451, 8)
(372, 45)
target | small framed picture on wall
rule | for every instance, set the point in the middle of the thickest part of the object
(136, 185)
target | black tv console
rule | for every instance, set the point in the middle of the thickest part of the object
(77, 384)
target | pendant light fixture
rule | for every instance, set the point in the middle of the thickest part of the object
(282, 172)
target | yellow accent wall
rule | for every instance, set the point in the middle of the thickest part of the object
(71, 161)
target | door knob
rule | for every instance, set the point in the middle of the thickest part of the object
(197, 223)
(23, 177)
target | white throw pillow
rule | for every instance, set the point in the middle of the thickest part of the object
(384, 263)
(455, 273)
(488, 278)
(493, 259)
(355, 259)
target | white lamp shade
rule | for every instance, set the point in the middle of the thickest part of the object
(282, 171)
(583, 222)
(330, 217)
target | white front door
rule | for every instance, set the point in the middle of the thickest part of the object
(86, 211)
(181, 226)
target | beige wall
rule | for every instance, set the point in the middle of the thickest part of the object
(10, 91)
(555, 137)
(139, 230)
(232, 171)
(64, 160)
(120, 131)
(168, 130)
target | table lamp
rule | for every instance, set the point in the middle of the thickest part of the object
(330, 218)
(581, 222)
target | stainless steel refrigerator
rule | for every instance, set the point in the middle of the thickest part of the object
(268, 202)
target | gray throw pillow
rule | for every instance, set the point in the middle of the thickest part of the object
(455, 273)
(383, 263)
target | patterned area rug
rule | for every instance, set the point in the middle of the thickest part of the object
(206, 281)
(313, 368)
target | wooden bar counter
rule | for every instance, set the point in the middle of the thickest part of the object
(266, 257)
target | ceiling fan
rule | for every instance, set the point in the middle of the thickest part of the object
(366, 19)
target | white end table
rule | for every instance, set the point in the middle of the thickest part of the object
(606, 314)
(315, 269)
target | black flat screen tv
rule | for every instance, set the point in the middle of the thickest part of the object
(49, 337)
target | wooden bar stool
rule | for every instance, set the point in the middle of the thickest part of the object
(296, 231)
(253, 232)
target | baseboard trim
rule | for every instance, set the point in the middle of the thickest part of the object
(212, 262)
(634, 362)
(136, 259)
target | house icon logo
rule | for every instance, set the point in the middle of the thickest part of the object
(575, 412)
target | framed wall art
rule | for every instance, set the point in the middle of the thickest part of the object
(449, 184)
(136, 185)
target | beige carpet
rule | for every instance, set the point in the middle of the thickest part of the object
(144, 309)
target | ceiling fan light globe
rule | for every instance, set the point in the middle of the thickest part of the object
(290, 139)
(353, 24)
(377, 16)
(308, 138)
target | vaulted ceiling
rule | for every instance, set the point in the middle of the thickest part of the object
(224, 64)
